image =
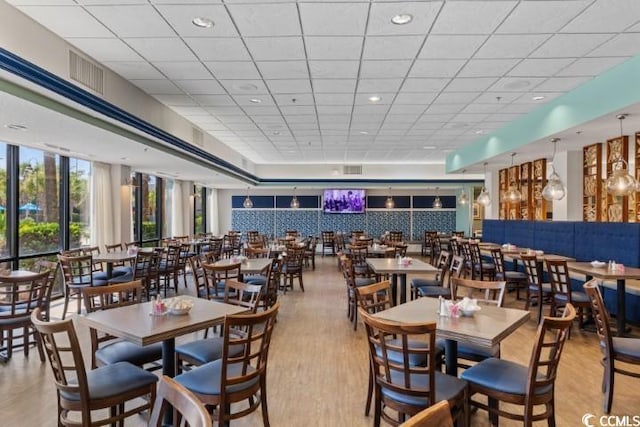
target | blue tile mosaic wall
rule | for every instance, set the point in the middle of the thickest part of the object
(261, 220)
(343, 222)
(305, 221)
(381, 221)
(433, 220)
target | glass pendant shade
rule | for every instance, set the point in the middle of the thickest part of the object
(484, 198)
(437, 203)
(620, 183)
(463, 200)
(554, 190)
(512, 195)
(389, 203)
(295, 203)
(248, 203)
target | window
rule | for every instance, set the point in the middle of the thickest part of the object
(3, 201)
(79, 188)
(167, 220)
(149, 208)
(198, 219)
(38, 203)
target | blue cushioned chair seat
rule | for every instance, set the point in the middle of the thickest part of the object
(121, 271)
(125, 351)
(112, 380)
(364, 281)
(472, 351)
(515, 275)
(418, 283)
(434, 291)
(99, 275)
(124, 278)
(575, 297)
(206, 379)
(207, 350)
(257, 279)
(546, 287)
(627, 346)
(447, 387)
(501, 375)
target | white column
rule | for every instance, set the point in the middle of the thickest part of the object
(568, 165)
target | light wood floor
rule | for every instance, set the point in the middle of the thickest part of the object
(318, 368)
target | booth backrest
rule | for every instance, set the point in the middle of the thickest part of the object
(554, 237)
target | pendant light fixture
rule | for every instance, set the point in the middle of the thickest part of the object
(295, 204)
(389, 203)
(620, 183)
(554, 190)
(512, 195)
(248, 204)
(463, 200)
(437, 203)
(484, 198)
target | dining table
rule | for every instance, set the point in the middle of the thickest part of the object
(620, 275)
(248, 266)
(487, 327)
(398, 269)
(111, 258)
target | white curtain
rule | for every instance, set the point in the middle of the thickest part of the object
(212, 211)
(101, 203)
(177, 214)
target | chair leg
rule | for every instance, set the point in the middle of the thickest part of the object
(607, 385)
(25, 341)
(367, 407)
(300, 279)
(66, 304)
(263, 402)
(79, 299)
(494, 404)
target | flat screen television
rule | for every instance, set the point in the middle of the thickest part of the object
(347, 201)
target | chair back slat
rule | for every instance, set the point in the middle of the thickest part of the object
(374, 298)
(242, 294)
(559, 277)
(217, 275)
(486, 292)
(600, 316)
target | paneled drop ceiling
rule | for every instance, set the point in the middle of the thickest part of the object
(292, 81)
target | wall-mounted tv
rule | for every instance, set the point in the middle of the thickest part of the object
(344, 201)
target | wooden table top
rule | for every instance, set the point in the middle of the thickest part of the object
(248, 266)
(116, 256)
(391, 266)
(16, 274)
(487, 327)
(135, 323)
(604, 273)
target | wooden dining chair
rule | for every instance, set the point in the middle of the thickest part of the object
(352, 282)
(328, 242)
(80, 393)
(518, 279)
(53, 268)
(521, 385)
(240, 375)
(537, 292)
(217, 275)
(562, 293)
(619, 353)
(292, 267)
(77, 272)
(456, 268)
(107, 349)
(438, 415)
(402, 387)
(444, 260)
(186, 405)
(479, 267)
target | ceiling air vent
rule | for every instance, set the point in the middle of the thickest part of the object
(86, 73)
(197, 137)
(352, 169)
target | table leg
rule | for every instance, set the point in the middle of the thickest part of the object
(109, 271)
(622, 307)
(168, 369)
(403, 288)
(451, 357)
(394, 288)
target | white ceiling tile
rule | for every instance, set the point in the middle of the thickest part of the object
(420, 98)
(440, 108)
(218, 49)
(206, 119)
(334, 99)
(302, 118)
(284, 70)
(471, 17)
(404, 113)
(605, 17)
(436, 67)
(289, 86)
(213, 126)
(379, 85)
(494, 97)
(275, 48)
(487, 67)
(334, 69)
(347, 19)
(398, 47)
(450, 46)
(135, 70)
(469, 118)
(541, 16)
(333, 48)
(233, 70)
(294, 99)
(222, 112)
(265, 100)
(176, 100)
(591, 66)
(244, 86)
(457, 97)
(262, 111)
(620, 45)
(470, 84)
(200, 87)
(518, 108)
(561, 84)
(161, 49)
(370, 109)
(185, 1)
(516, 84)
(180, 16)
(42, 2)
(105, 49)
(157, 87)
(57, 19)
(125, 20)
(384, 69)
(294, 110)
(423, 15)
(260, 20)
(236, 118)
(213, 100)
(334, 109)
(424, 85)
(183, 70)
(527, 98)
(510, 46)
(334, 85)
(570, 45)
(188, 111)
(539, 67)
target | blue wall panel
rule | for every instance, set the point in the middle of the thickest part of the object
(437, 220)
(253, 219)
(343, 222)
(306, 222)
(381, 221)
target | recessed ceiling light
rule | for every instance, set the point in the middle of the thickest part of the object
(256, 100)
(364, 132)
(14, 126)
(538, 98)
(517, 84)
(402, 19)
(276, 133)
(479, 132)
(374, 98)
(292, 151)
(201, 22)
(246, 87)
(429, 147)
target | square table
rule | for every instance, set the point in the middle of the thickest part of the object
(620, 276)
(391, 266)
(487, 327)
(111, 258)
(136, 324)
(248, 266)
